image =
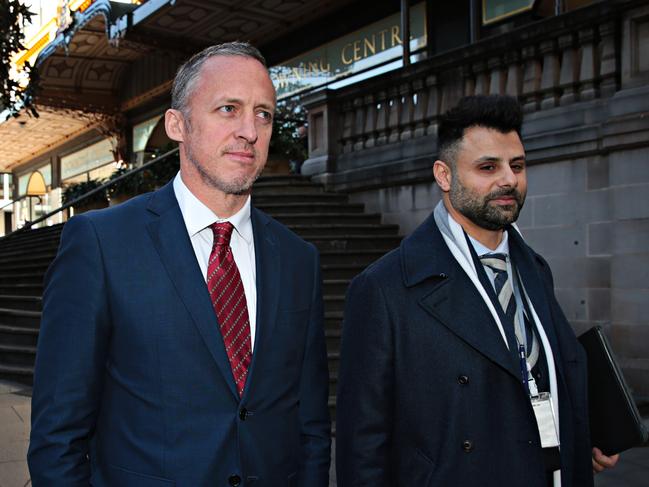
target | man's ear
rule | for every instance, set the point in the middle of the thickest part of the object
(443, 176)
(175, 125)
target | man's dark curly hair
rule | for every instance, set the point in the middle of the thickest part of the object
(499, 112)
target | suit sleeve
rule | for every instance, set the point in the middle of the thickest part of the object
(315, 423)
(364, 414)
(70, 360)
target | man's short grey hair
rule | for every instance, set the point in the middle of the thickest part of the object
(188, 73)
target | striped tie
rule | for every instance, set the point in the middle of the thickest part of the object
(505, 292)
(229, 301)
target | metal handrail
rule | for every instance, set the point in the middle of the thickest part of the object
(14, 201)
(94, 191)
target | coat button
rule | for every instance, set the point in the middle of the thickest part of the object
(243, 414)
(234, 480)
(467, 446)
(463, 379)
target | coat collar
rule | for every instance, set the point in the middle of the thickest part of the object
(449, 295)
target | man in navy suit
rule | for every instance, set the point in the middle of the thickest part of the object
(458, 368)
(182, 339)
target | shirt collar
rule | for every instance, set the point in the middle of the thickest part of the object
(198, 216)
(503, 246)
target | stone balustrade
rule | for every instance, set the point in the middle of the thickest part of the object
(572, 58)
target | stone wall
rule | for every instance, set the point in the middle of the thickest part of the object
(586, 133)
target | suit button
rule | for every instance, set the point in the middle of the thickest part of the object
(463, 379)
(467, 446)
(234, 480)
(243, 414)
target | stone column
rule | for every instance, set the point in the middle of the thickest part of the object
(550, 76)
(531, 79)
(358, 127)
(382, 113)
(407, 111)
(497, 78)
(569, 69)
(324, 132)
(607, 56)
(394, 110)
(588, 65)
(513, 86)
(432, 105)
(370, 120)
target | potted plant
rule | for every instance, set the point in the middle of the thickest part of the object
(135, 184)
(76, 190)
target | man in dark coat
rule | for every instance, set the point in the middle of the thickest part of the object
(458, 367)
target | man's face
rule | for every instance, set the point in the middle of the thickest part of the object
(489, 182)
(228, 125)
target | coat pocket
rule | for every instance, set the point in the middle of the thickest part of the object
(127, 478)
(416, 469)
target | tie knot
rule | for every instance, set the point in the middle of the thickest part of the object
(222, 232)
(498, 262)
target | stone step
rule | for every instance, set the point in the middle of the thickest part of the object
(291, 219)
(31, 234)
(21, 289)
(21, 302)
(279, 188)
(341, 270)
(343, 229)
(333, 319)
(282, 178)
(334, 302)
(20, 336)
(332, 337)
(19, 317)
(22, 278)
(358, 257)
(17, 373)
(271, 198)
(22, 252)
(310, 207)
(354, 242)
(329, 286)
(25, 267)
(17, 355)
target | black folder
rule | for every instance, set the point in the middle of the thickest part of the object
(615, 423)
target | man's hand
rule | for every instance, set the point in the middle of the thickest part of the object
(601, 462)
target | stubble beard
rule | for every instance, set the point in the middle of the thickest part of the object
(477, 208)
(237, 186)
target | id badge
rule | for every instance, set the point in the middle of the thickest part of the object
(544, 412)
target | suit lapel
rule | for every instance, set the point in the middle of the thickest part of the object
(169, 235)
(267, 264)
(454, 301)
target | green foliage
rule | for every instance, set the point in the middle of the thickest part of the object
(13, 18)
(164, 171)
(76, 190)
(289, 130)
(135, 184)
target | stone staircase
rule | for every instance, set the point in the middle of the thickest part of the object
(348, 240)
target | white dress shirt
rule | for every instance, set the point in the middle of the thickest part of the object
(198, 219)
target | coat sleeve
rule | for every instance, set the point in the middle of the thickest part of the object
(364, 409)
(70, 360)
(315, 424)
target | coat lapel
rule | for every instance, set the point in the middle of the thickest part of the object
(267, 264)
(535, 288)
(453, 299)
(169, 235)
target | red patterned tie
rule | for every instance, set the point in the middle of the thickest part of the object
(229, 301)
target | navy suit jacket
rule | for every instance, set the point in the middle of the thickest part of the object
(132, 383)
(428, 394)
